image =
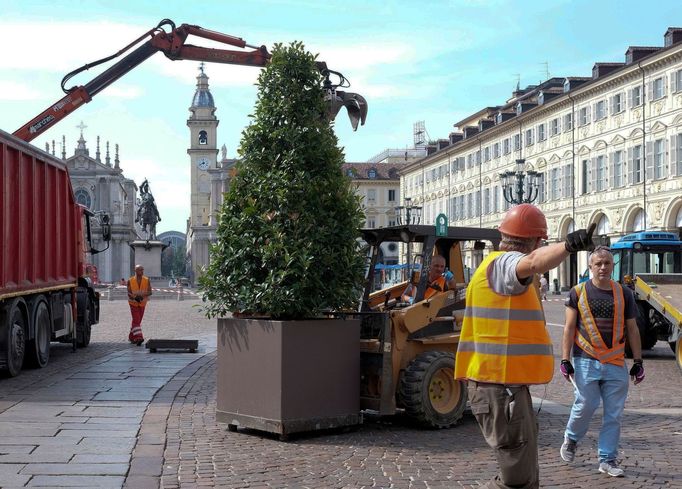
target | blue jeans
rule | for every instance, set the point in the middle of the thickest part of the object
(598, 382)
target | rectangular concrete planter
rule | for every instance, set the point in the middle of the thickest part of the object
(285, 377)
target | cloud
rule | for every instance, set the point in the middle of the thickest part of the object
(14, 91)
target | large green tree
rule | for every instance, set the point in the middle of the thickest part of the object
(287, 234)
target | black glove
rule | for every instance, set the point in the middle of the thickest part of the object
(580, 240)
(138, 298)
(566, 369)
(637, 372)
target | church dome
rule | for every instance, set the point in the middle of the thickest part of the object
(202, 96)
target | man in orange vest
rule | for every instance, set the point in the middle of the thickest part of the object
(439, 281)
(600, 314)
(139, 290)
(504, 345)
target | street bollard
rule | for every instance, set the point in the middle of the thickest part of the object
(110, 296)
(180, 296)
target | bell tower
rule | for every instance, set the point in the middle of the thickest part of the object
(203, 152)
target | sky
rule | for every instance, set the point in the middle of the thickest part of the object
(435, 61)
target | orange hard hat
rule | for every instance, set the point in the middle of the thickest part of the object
(524, 221)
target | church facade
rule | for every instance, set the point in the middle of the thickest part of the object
(99, 184)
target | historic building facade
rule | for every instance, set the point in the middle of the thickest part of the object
(101, 187)
(209, 177)
(607, 150)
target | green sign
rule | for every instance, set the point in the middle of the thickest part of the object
(442, 225)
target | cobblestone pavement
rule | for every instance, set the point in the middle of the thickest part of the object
(167, 435)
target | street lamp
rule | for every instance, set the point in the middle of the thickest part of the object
(408, 214)
(411, 215)
(516, 184)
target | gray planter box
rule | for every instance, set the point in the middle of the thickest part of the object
(285, 377)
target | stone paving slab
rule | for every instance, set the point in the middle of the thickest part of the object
(75, 469)
(62, 481)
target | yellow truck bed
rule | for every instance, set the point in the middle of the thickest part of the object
(663, 291)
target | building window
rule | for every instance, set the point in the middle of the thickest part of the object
(541, 191)
(83, 197)
(659, 159)
(676, 148)
(657, 88)
(517, 142)
(568, 122)
(203, 137)
(585, 174)
(496, 150)
(529, 137)
(554, 127)
(618, 169)
(567, 181)
(371, 223)
(391, 222)
(635, 165)
(541, 133)
(584, 116)
(636, 96)
(676, 79)
(617, 103)
(486, 200)
(350, 173)
(599, 110)
(486, 153)
(391, 195)
(506, 146)
(602, 176)
(371, 195)
(372, 173)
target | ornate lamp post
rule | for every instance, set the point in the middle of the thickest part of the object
(408, 214)
(519, 187)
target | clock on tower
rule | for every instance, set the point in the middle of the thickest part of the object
(203, 163)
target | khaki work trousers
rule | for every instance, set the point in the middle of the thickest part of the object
(508, 423)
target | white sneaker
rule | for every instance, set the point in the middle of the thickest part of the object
(611, 467)
(568, 449)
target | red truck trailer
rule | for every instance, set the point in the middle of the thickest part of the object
(45, 293)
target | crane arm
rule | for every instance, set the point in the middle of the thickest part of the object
(172, 44)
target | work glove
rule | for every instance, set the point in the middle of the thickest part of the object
(637, 372)
(580, 240)
(566, 369)
(448, 276)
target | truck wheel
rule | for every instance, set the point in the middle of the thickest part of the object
(647, 334)
(429, 391)
(38, 349)
(678, 353)
(84, 328)
(15, 341)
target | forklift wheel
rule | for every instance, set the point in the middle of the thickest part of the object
(429, 391)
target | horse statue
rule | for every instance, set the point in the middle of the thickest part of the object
(147, 212)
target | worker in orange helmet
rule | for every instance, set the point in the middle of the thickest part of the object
(504, 345)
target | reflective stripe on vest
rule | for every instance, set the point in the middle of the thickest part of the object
(144, 286)
(504, 338)
(595, 345)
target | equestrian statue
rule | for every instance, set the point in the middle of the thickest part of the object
(147, 213)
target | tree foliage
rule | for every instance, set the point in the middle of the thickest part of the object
(288, 227)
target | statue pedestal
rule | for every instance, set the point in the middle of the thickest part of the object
(148, 254)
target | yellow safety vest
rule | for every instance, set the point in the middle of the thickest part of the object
(595, 346)
(144, 286)
(504, 338)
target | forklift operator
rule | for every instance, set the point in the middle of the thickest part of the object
(439, 281)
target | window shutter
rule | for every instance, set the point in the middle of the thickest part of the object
(589, 114)
(630, 97)
(622, 102)
(649, 91)
(673, 155)
(591, 173)
(613, 104)
(631, 167)
(611, 170)
(649, 160)
(664, 163)
(606, 108)
(664, 82)
(673, 82)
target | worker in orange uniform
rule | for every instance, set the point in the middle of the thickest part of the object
(139, 290)
(504, 345)
(439, 281)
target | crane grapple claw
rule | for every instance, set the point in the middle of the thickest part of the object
(355, 104)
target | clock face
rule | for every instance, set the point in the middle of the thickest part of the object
(203, 163)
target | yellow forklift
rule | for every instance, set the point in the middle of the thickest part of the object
(407, 351)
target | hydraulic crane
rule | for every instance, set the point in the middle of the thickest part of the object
(172, 44)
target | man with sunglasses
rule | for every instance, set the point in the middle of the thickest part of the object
(600, 314)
